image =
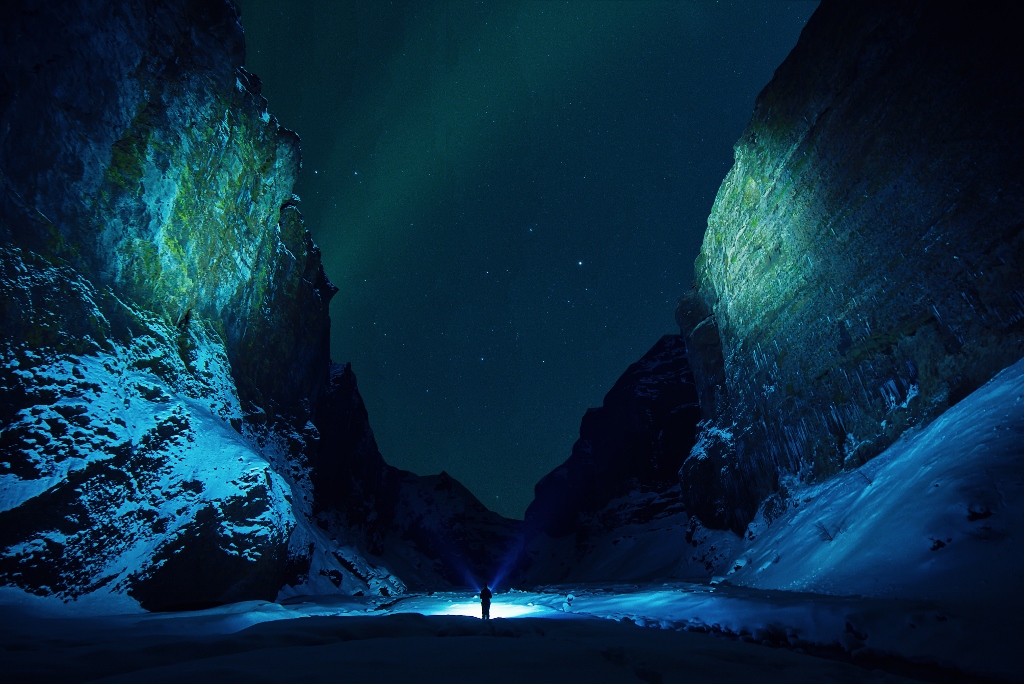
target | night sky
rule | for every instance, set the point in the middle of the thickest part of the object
(510, 197)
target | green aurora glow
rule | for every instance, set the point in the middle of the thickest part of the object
(462, 159)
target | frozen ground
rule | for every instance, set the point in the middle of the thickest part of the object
(668, 633)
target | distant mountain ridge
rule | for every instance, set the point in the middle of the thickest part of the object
(429, 530)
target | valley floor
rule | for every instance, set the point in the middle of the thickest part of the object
(665, 633)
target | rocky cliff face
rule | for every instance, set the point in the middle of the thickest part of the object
(137, 149)
(165, 323)
(859, 276)
(860, 272)
(164, 339)
(614, 509)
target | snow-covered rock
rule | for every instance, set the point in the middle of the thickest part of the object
(938, 515)
(123, 468)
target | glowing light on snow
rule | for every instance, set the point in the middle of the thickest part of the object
(498, 610)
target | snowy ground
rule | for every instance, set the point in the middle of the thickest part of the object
(668, 633)
(937, 516)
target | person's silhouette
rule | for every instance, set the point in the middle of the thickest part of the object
(485, 602)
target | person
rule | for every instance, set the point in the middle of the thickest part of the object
(485, 602)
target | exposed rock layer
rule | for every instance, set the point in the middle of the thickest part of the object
(861, 268)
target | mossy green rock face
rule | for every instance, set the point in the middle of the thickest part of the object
(861, 268)
(136, 148)
(164, 316)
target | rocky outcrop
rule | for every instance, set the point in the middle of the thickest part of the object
(431, 531)
(860, 272)
(165, 328)
(123, 468)
(621, 482)
(135, 148)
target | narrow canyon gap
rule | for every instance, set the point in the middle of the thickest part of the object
(825, 458)
(510, 197)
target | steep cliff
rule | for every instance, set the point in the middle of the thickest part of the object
(859, 276)
(614, 509)
(171, 430)
(861, 269)
(137, 149)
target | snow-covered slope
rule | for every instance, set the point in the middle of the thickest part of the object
(938, 515)
(360, 644)
(769, 636)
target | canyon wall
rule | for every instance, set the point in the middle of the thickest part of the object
(172, 432)
(165, 323)
(860, 273)
(136, 149)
